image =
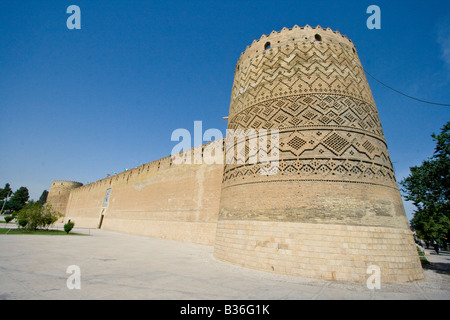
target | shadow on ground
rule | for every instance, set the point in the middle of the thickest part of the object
(443, 266)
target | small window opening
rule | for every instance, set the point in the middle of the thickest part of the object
(318, 37)
(267, 46)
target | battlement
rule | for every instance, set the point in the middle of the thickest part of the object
(147, 168)
(65, 184)
(306, 34)
(153, 166)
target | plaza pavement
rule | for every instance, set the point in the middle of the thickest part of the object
(123, 266)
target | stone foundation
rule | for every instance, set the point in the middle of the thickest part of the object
(325, 251)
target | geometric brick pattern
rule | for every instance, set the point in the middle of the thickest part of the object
(338, 154)
(309, 110)
(317, 96)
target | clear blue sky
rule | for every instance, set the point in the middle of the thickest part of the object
(79, 104)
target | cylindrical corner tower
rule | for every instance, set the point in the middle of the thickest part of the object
(334, 207)
(59, 193)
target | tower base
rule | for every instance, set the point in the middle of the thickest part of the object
(324, 251)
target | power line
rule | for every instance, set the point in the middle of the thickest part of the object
(395, 90)
(404, 94)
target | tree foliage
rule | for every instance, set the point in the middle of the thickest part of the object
(428, 187)
(8, 219)
(5, 192)
(69, 226)
(35, 215)
(18, 199)
(43, 198)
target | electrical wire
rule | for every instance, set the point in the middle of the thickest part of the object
(395, 90)
(404, 94)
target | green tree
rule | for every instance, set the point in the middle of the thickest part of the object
(69, 226)
(4, 194)
(37, 216)
(428, 187)
(49, 216)
(18, 199)
(43, 198)
(8, 219)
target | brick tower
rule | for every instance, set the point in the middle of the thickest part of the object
(59, 193)
(334, 207)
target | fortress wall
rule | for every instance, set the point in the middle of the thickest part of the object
(84, 205)
(159, 199)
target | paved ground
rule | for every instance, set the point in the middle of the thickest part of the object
(121, 266)
(440, 263)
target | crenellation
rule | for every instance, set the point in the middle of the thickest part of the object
(305, 33)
